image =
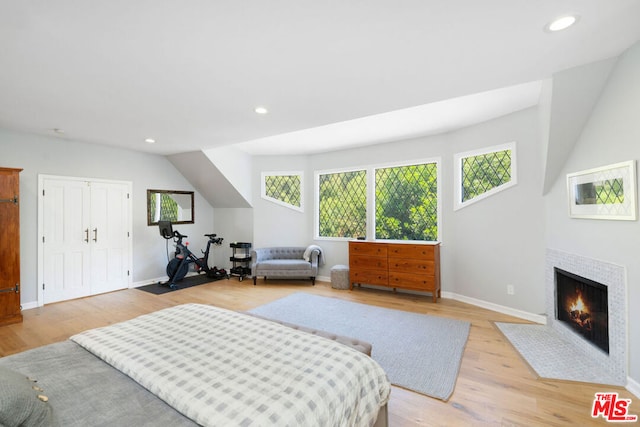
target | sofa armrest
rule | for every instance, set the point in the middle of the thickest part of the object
(315, 255)
(256, 256)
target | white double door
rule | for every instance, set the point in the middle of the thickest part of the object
(86, 237)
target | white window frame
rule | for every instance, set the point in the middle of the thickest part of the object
(457, 175)
(371, 197)
(263, 189)
(316, 196)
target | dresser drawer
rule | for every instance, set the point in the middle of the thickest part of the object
(412, 281)
(367, 263)
(400, 250)
(369, 277)
(414, 266)
(366, 248)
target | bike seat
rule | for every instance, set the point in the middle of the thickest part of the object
(178, 235)
(211, 236)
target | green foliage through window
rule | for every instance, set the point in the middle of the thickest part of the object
(283, 188)
(482, 173)
(407, 202)
(405, 205)
(343, 204)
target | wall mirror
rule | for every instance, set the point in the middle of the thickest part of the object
(168, 205)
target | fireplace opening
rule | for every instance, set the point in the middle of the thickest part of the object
(582, 304)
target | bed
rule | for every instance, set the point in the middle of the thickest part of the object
(196, 364)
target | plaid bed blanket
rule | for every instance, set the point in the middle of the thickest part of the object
(223, 368)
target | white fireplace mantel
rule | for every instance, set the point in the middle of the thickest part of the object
(614, 277)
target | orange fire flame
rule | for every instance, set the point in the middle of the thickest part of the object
(578, 306)
(579, 313)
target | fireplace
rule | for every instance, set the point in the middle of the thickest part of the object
(582, 305)
(604, 368)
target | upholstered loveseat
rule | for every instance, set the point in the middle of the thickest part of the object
(286, 262)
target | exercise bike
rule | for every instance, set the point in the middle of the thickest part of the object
(178, 267)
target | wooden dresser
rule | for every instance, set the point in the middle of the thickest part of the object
(414, 266)
(9, 246)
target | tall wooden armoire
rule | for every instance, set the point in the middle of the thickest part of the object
(9, 246)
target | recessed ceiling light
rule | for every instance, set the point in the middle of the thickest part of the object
(150, 141)
(261, 110)
(562, 23)
(58, 130)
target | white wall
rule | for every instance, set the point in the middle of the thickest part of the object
(612, 135)
(485, 246)
(234, 165)
(267, 223)
(499, 241)
(276, 225)
(56, 156)
(480, 255)
(233, 225)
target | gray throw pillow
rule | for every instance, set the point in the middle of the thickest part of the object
(22, 403)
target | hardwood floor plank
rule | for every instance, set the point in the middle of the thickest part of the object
(495, 385)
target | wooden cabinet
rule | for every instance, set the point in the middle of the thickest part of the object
(413, 266)
(9, 246)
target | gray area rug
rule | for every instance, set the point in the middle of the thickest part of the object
(418, 352)
(550, 356)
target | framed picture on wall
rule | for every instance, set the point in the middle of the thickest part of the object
(607, 192)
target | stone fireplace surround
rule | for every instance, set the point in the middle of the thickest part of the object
(614, 277)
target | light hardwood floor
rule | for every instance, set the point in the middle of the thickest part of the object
(495, 386)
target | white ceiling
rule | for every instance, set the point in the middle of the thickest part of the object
(190, 73)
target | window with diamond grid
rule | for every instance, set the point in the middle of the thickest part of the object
(342, 207)
(483, 173)
(407, 202)
(283, 188)
(405, 205)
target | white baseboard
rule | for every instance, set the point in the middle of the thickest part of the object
(149, 282)
(633, 387)
(34, 304)
(537, 318)
(29, 305)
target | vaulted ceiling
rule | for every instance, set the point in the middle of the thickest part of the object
(189, 74)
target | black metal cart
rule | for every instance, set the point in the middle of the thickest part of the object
(241, 259)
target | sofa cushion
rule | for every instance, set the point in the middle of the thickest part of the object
(288, 264)
(283, 252)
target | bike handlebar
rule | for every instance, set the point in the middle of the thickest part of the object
(211, 237)
(177, 234)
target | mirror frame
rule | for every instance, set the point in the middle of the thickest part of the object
(151, 193)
